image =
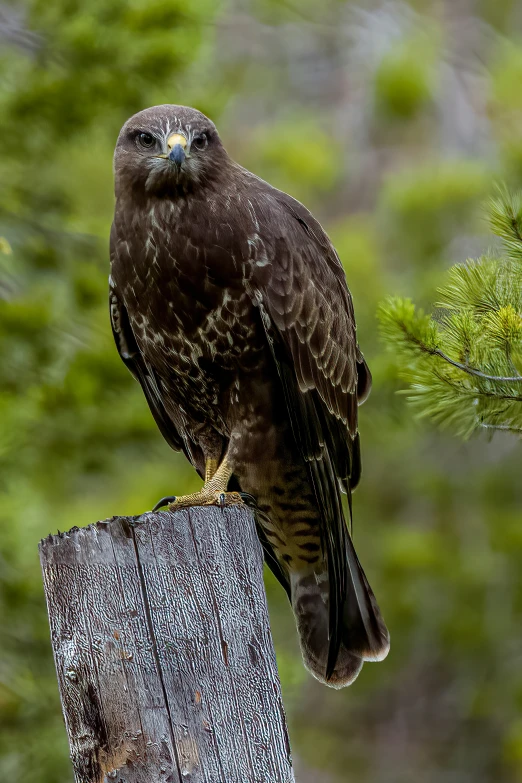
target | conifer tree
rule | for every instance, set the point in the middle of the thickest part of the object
(463, 363)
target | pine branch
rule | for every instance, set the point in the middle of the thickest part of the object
(471, 370)
(477, 335)
(506, 220)
(500, 427)
(475, 393)
(422, 346)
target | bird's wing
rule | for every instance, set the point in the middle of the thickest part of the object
(141, 370)
(298, 283)
(301, 285)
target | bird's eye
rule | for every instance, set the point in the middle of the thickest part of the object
(200, 142)
(146, 140)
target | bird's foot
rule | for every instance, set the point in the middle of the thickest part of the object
(202, 498)
(213, 492)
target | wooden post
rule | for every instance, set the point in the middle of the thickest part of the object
(163, 650)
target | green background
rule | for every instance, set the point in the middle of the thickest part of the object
(391, 121)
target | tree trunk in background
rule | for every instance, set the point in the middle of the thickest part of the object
(163, 650)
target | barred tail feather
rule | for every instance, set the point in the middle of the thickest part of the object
(363, 634)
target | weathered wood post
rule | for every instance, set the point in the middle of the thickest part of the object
(163, 650)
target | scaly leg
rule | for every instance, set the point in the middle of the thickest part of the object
(211, 466)
(213, 493)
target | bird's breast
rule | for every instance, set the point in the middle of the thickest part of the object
(189, 310)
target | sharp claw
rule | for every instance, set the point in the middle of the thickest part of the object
(164, 502)
(222, 499)
(248, 499)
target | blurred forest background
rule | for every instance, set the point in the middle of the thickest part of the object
(391, 121)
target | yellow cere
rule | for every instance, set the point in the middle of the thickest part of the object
(176, 138)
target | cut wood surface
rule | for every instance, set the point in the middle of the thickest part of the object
(163, 650)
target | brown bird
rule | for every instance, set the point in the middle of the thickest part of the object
(230, 306)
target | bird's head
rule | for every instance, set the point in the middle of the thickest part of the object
(166, 149)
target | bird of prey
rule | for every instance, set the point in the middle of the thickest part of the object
(230, 307)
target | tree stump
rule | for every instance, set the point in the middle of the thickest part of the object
(163, 650)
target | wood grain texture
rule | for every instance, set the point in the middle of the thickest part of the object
(163, 650)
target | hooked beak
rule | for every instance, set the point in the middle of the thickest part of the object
(176, 148)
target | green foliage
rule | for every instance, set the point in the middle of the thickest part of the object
(464, 364)
(405, 78)
(435, 197)
(297, 155)
(427, 192)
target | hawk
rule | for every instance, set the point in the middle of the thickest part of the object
(230, 307)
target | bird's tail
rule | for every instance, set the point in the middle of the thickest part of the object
(363, 636)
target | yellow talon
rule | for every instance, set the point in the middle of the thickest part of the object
(213, 493)
(203, 498)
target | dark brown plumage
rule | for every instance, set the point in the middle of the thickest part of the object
(230, 306)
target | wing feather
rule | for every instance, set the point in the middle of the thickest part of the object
(309, 320)
(142, 371)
